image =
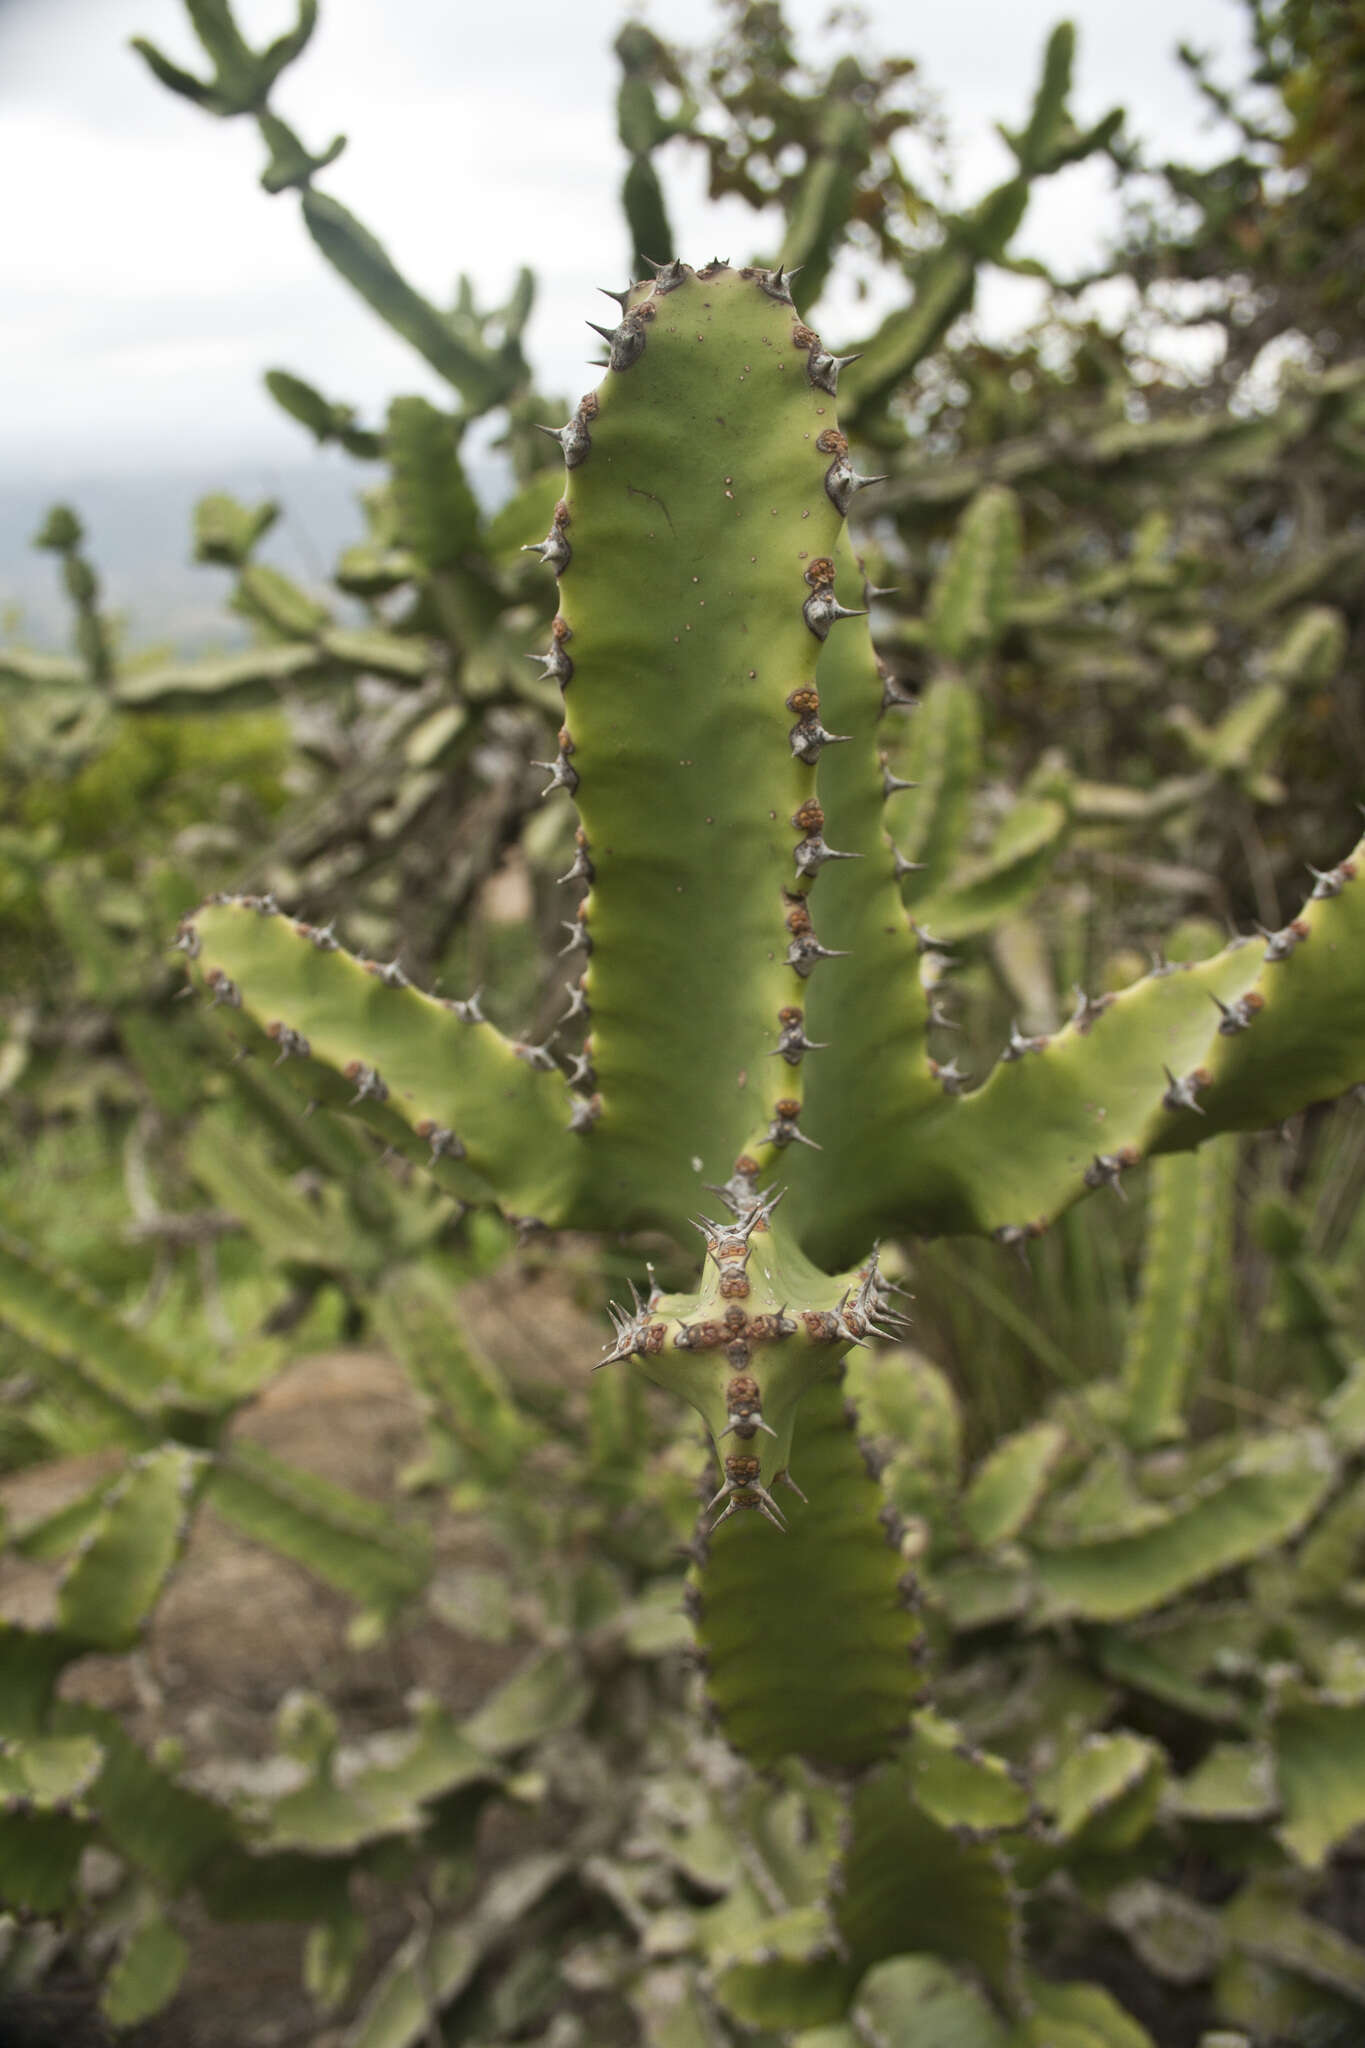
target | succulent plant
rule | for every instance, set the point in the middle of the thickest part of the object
(751, 990)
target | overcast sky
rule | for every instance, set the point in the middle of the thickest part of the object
(146, 280)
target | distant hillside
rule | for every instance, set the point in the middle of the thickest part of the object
(139, 530)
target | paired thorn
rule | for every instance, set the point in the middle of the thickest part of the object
(805, 949)
(1279, 945)
(1237, 1016)
(812, 853)
(777, 283)
(582, 869)
(783, 1130)
(1106, 1167)
(823, 369)
(793, 1044)
(809, 736)
(578, 1001)
(822, 610)
(586, 1110)
(581, 1073)
(1019, 1044)
(562, 774)
(1182, 1093)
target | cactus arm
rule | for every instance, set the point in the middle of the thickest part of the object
(985, 890)
(1154, 1068)
(441, 1086)
(1188, 1216)
(807, 1641)
(700, 531)
(819, 216)
(84, 1345)
(292, 163)
(62, 534)
(870, 1009)
(943, 759)
(326, 419)
(642, 128)
(242, 76)
(482, 378)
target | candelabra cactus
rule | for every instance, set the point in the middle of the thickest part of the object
(752, 988)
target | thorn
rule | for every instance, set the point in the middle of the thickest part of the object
(1332, 882)
(805, 949)
(578, 1001)
(444, 1143)
(823, 369)
(1088, 1010)
(562, 773)
(949, 1077)
(906, 867)
(1282, 943)
(578, 936)
(292, 1044)
(1019, 1045)
(891, 783)
(368, 1083)
(822, 610)
(468, 1011)
(668, 276)
(586, 1110)
(812, 853)
(580, 1070)
(895, 698)
(1238, 1016)
(582, 869)
(538, 1056)
(1181, 1093)
(808, 736)
(1105, 1169)
(622, 298)
(776, 283)
(787, 1480)
(554, 549)
(793, 1044)
(556, 663)
(606, 332)
(842, 484)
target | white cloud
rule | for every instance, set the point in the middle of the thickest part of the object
(148, 279)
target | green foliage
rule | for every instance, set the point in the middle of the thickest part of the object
(1138, 1623)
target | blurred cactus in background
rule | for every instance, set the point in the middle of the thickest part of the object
(1033, 1704)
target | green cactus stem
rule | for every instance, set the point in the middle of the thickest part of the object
(747, 982)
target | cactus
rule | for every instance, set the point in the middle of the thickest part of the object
(754, 1008)
(731, 745)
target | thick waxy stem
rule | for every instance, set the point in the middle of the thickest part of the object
(438, 1081)
(748, 979)
(699, 595)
